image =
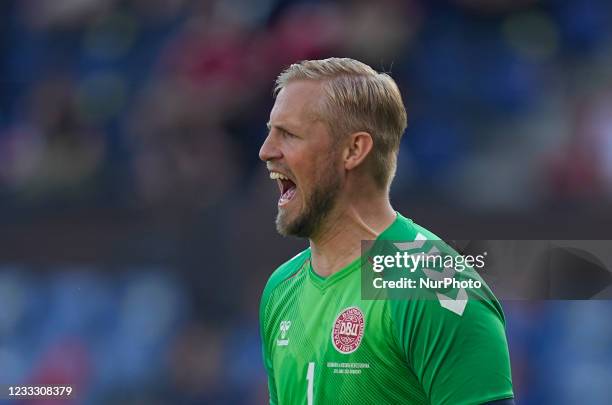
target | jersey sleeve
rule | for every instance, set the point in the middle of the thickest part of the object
(272, 387)
(458, 358)
(264, 347)
(266, 323)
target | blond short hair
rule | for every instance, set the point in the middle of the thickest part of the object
(358, 99)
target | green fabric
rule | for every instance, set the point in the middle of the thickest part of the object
(411, 351)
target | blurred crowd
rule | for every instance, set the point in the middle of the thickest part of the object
(135, 103)
(129, 339)
(138, 220)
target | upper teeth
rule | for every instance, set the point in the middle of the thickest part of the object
(276, 175)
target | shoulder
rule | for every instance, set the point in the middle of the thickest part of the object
(405, 229)
(413, 232)
(284, 272)
(474, 295)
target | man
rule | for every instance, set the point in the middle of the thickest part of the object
(334, 136)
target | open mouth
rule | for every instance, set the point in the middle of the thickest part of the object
(286, 186)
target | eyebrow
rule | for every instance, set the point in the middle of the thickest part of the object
(282, 128)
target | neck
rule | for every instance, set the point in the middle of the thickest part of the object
(338, 243)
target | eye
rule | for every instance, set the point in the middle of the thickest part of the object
(287, 134)
(281, 132)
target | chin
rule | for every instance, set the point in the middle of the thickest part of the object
(287, 226)
(284, 224)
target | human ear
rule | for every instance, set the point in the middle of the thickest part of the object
(359, 146)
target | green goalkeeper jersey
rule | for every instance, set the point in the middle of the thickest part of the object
(324, 344)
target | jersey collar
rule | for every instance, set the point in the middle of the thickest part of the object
(398, 230)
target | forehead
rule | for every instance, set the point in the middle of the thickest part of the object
(298, 103)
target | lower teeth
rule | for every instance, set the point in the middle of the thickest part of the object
(287, 195)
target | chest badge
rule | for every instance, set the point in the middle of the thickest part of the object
(284, 328)
(348, 330)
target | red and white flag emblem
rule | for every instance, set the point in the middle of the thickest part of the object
(348, 330)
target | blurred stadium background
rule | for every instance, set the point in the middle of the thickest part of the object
(136, 222)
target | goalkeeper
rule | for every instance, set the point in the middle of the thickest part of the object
(334, 135)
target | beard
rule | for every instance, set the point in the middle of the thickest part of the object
(317, 206)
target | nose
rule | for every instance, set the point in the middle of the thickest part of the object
(269, 149)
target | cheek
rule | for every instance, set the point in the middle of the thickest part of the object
(326, 171)
(329, 164)
(316, 168)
